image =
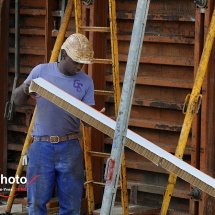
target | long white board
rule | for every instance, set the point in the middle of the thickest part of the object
(133, 141)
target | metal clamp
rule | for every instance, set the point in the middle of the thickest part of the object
(196, 105)
(186, 102)
(201, 3)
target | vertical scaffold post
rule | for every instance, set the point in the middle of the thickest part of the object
(114, 162)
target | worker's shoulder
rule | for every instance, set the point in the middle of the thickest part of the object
(42, 66)
(83, 75)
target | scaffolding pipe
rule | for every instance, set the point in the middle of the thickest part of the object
(114, 162)
(28, 140)
(192, 109)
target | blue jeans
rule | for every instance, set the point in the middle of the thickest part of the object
(59, 163)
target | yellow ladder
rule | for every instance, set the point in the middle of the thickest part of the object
(112, 29)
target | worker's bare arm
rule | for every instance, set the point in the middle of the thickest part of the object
(21, 93)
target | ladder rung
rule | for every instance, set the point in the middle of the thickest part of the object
(102, 61)
(99, 154)
(87, 182)
(99, 183)
(93, 182)
(94, 29)
(104, 93)
(102, 184)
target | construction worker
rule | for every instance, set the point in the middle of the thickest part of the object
(55, 156)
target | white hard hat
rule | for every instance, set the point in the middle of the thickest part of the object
(78, 48)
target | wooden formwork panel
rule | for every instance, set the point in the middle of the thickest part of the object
(165, 77)
(34, 34)
(166, 73)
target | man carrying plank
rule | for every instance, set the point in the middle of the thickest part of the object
(55, 156)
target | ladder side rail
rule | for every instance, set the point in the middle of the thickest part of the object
(117, 91)
(125, 106)
(117, 95)
(85, 129)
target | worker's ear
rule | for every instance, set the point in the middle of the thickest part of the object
(63, 53)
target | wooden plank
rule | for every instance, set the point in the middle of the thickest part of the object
(23, 69)
(178, 192)
(156, 103)
(125, 15)
(163, 60)
(30, 11)
(168, 142)
(29, 31)
(161, 28)
(133, 209)
(29, 51)
(125, 36)
(15, 147)
(133, 141)
(176, 8)
(18, 128)
(160, 82)
(155, 124)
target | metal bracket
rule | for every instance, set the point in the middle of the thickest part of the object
(196, 106)
(186, 102)
(201, 3)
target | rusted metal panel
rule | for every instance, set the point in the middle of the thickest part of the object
(207, 150)
(3, 86)
(171, 51)
(165, 77)
(93, 15)
(32, 52)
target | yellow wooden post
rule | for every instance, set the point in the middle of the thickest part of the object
(192, 109)
(28, 139)
(85, 129)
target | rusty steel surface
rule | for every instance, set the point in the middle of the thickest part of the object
(166, 75)
(207, 205)
(170, 56)
(94, 15)
(3, 85)
(54, 57)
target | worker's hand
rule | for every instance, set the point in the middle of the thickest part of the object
(25, 87)
(102, 110)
